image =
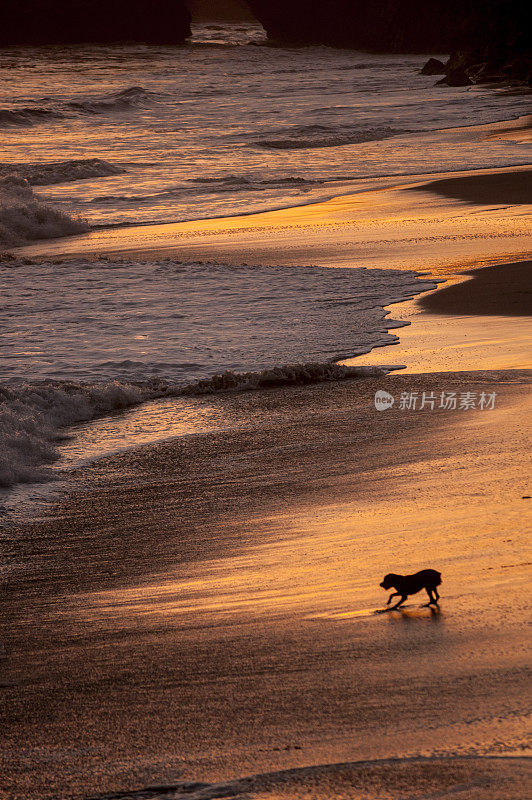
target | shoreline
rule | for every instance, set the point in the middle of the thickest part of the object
(450, 328)
(212, 581)
(316, 232)
(476, 319)
(446, 229)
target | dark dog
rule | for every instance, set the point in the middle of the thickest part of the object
(405, 585)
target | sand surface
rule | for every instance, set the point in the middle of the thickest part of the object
(504, 290)
(391, 227)
(486, 189)
(203, 609)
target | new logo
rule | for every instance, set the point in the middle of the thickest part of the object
(383, 400)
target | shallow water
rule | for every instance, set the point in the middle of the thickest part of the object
(220, 126)
(134, 134)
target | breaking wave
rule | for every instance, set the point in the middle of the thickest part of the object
(288, 375)
(33, 417)
(320, 136)
(26, 117)
(207, 186)
(234, 182)
(61, 171)
(23, 217)
(125, 100)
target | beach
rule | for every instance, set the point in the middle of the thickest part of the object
(198, 614)
(266, 329)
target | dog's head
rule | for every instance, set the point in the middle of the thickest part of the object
(388, 582)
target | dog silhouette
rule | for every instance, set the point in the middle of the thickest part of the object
(406, 585)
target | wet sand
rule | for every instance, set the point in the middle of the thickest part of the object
(392, 227)
(478, 319)
(203, 609)
(486, 189)
(504, 290)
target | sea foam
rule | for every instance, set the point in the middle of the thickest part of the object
(33, 417)
(23, 217)
(119, 333)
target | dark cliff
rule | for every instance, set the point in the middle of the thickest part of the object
(219, 10)
(387, 25)
(74, 21)
(489, 30)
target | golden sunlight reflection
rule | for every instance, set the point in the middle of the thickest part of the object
(143, 424)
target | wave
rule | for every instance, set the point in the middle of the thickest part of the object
(33, 417)
(288, 375)
(229, 184)
(235, 181)
(61, 171)
(26, 117)
(23, 217)
(320, 138)
(124, 100)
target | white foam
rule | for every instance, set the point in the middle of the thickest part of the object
(23, 217)
(32, 417)
(120, 333)
(287, 375)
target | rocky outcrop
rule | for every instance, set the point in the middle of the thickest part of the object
(73, 21)
(380, 25)
(495, 33)
(433, 67)
(455, 77)
(219, 10)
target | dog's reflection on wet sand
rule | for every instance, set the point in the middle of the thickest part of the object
(411, 614)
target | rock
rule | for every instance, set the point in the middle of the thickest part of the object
(35, 22)
(405, 26)
(456, 77)
(433, 67)
(496, 32)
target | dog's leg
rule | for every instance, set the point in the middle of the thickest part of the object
(394, 594)
(437, 595)
(401, 601)
(431, 599)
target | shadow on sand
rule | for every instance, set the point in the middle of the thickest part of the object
(410, 614)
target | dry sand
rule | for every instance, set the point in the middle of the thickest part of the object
(203, 609)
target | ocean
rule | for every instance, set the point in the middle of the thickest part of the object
(99, 136)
